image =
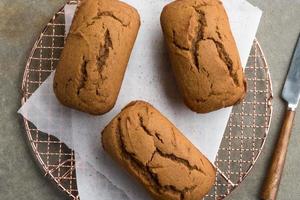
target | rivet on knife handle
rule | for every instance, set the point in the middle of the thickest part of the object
(273, 177)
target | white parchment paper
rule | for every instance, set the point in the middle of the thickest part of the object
(148, 77)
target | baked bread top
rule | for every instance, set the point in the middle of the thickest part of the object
(93, 62)
(203, 54)
(154, 151)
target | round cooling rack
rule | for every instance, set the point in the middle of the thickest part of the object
(242, 142)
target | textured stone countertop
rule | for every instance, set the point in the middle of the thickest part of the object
(20, 23)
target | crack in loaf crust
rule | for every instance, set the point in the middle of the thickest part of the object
(203, 54)
(154, 151)
(93, 62)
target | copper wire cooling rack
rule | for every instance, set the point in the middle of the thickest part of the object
(242, 142)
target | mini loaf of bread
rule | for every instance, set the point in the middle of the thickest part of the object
(155, 152)
(203, 54)
(93, 62)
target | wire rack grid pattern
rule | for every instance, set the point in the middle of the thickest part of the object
(242, 142)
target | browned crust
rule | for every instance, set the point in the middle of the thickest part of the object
(203, 54)
(155, 152)
(93, 62)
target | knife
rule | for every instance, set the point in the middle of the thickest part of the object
(291, 94)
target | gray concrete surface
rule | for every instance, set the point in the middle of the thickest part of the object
(20, 23)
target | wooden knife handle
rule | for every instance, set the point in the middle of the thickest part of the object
(273, 177)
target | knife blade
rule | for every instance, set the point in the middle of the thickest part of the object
(291, 94)
(291, 89)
